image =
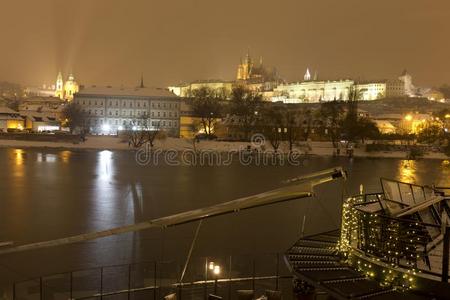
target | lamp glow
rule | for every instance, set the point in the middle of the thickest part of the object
(216, 270)
(106, 127)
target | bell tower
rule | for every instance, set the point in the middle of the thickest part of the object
(59, 91)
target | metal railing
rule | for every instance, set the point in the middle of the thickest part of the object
(408, 243)
(154, 280)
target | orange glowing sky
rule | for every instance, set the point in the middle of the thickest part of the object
(113, 41)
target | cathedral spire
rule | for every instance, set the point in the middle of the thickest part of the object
(142, 81)
(307, 76)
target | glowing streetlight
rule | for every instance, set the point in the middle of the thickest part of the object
(106, 127)
(408, 117)
(211, 265)
(216, 270)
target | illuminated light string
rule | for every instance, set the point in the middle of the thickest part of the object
(379, 238)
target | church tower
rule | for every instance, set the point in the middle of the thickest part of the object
(245, 68)
(59, 91)
(307, 76)
(70, 88)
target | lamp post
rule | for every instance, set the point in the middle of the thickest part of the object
(216, 273)
(215, 270)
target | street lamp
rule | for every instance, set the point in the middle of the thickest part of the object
(215, 270)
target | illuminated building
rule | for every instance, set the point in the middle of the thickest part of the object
(38, 121)
(10, 119)
(59, 89)
(313, 90)
(70, 88)
(66, 90)
(185, 90)
(111, 109)
(406, 79)
(255, 77)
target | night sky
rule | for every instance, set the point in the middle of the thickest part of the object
(113, 41)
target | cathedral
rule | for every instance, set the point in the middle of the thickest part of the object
(66, 90)
(255, 73)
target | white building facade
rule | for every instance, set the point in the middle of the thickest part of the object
(109, 110)
(318, 91)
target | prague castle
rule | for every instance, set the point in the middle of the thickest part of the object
(314, 90)
(259, 78)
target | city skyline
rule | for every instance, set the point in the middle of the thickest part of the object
(181, 42)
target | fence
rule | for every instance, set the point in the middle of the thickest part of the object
(221, 276)
(409, 243)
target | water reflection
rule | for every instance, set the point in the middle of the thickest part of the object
(104, 191)
(65, 156)
(407, 170)
(19, 156)
(46, 157)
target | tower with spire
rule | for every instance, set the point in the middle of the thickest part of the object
(142, 81)
(59, 89)
(245, 68)
(307, 76)
(66, 90)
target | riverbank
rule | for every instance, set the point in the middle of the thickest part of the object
(180, 144)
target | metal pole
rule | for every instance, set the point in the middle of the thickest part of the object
(206, 279)
(277, 272)
(215, 286)
(154, 281)
(71, 285)
(129, 281)
(446, 254)
(190, 251)
(254, 275)
(41, 296)
(101, 283)
(229, 283)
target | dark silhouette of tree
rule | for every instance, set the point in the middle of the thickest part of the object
(207, 105)
(245, 105)
(432, 133)
(272, 123)
(331, 114)
(73, 116)
(139, 131)
(445, 89)
(366, 129)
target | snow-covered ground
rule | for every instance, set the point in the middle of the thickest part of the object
(180, 144)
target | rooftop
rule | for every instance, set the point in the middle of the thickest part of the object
(126, 91)
(7, 110)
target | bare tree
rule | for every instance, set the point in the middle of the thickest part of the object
(207, 105)
(140, 131)
(73, 116)
(331, 114)
(244, 105)
(272, 123)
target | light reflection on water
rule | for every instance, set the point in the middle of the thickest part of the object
(57, 193)
(407, 171)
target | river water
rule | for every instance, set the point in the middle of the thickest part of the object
(47, 194)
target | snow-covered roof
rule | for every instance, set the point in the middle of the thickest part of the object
(38, 117)
(123, 91)
(7, 110)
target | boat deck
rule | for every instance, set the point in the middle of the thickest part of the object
(315, 260)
